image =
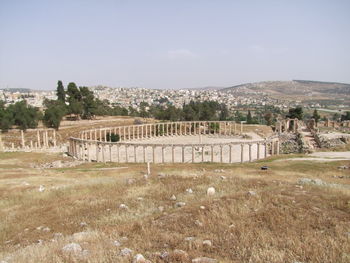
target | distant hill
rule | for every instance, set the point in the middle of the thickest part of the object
(302, 89)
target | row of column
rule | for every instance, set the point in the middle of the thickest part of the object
(42, 140)
(144, 131)
(101, 152)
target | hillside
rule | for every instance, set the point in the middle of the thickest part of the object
(300, 89)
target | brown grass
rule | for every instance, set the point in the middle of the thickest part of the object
(283, 222)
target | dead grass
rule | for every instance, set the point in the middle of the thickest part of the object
(283, 222)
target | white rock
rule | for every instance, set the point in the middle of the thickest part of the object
(223, 177)
(72, 248)
(40, 228)
(161, 208)
(202, 207)
(180, 204)
(130, 181)
(80, 236)
(251, 193)
(46, 229)
(83, 224)
(189, 238)
(204, 260)
(57, 236)
(123, 206)
(116, 243)
(198, 223)
(125, 252)
(207, 243)
(139, 198)
(189, 191)
(173, 198)
(211, 191)
(41, 188)
(139, 259)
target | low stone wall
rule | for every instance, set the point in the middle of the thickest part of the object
(93, 144)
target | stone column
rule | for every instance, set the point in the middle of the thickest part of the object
(183, 154)
(135, 154)
(126, 153)
(142, 130)
(118, 154)
(242, 153)
(162, 154)
(38, 135)
(95, 132)
(88, 152)
(230, 158)
(241, 127)
(1, 143)
(154, 154)
(124, 133)
(250, 152)
(202, 154)
(54, 138)
(272, 148)
(266, 149)
(129, 133)
(133, 132)
(22, 138)
(103, 153)
(144, 153)
(221, 157)
(277, 147)
(192, 153)
(110, 152)
(163, 129)
(172, 154)
(258, 151)
(212, 153)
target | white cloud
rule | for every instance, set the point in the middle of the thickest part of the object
(180, 54)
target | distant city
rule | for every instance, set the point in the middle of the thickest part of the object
(235, 99)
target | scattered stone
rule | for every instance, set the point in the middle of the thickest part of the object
(25, 183)
(180, 204)
(125, 252)
(83, 224)
(202, 207)
(252, 193)
(204, 260)
(41, 188)
(56, 164)
(189, 191)
(198, 223)
(211, 191)
(123, 206)
(40, 228)
(161, 175)
(145, 176)
(80, 236)
(189, 238)
(180, 255)
(140, 259)
(116, 243)
(139, 198)
(343, 167)
(57, 236)
(130, 181)
(161, 208)
(223, 177)
(164, 255)
(173, 198)
(219, 171)
(40, 241)
(318, 182)
(207, 243)
(124, 239)
(72, 249)
(46, 229)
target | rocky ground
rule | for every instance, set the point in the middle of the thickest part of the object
(292, 211)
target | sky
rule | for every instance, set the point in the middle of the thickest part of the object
(172, 44)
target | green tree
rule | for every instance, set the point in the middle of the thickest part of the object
(24, 115)
(295, 113)
(88, 103)
(61, 94)
(346, 116)
(75, 104)
(268, 116)
(6, 118)
(316, 116)
(249, 118)
(54, 113)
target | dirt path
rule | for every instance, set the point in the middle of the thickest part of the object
(323, 156)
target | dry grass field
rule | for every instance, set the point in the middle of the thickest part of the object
(254, 216)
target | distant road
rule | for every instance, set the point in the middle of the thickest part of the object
(328, 110)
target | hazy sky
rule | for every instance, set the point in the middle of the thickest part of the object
(172, 44)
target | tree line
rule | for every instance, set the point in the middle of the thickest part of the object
(80, 103)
